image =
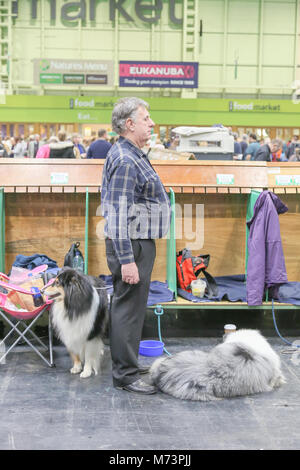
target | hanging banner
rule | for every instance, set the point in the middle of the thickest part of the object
(158, 74)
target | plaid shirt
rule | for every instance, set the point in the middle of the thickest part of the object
(133, 199)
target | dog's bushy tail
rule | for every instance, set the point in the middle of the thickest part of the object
(237, 370)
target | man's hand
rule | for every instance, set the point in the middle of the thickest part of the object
(130, 273)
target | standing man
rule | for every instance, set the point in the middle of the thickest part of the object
(100, 147)
(292, 147)
(137, 210)
(244, 144)
(33, 146)
(264, 153)
(252, 148)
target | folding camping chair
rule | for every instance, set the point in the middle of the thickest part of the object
(24, 319)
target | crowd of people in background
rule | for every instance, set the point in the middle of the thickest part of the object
(251, 148)
(246, 147)
(60, 146)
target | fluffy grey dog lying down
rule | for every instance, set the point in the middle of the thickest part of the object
(243, 364)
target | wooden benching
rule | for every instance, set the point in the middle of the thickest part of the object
(48, 204)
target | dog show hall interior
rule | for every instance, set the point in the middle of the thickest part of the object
(219, 85)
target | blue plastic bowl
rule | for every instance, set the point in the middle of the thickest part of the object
(151, 348)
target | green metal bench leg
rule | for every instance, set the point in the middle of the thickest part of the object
(252, 198)
(86, 237)
(171, 249)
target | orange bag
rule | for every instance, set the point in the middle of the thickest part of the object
(25, 301)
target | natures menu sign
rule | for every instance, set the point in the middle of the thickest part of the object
(158, 74)
(73, 72)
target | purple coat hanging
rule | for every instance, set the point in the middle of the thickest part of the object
(266, 264)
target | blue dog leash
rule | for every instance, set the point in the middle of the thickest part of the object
(158, 312)
(277, 331)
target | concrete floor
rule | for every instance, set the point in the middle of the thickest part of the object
(48, 408)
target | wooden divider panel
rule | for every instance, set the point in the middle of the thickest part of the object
(45, 209)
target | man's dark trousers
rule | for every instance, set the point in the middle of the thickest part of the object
(128, 309)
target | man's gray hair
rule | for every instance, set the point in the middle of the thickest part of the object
(277, 142)
(123, 109)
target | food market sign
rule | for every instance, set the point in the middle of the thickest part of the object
(90, 9)
(261, 106)
(73, 72)
(158, 74)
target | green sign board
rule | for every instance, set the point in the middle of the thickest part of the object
(50, 78)
(286, 180)
(225, 179)
(59, 178)
(73, 72)
(72, 78)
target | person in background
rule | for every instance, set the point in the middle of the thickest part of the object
(244, 144)
(24, 146)
(19, 148)
(292, 147)
(296, 156)
(137, 211)
(278, 155)
(7, 142)
(174, 142)
(264, 153)
(63, 148)
(252, 147)
(284, 147)
(86, 144)
(44, 150)
(33, 145)
(158, 145)
(13, 142)
(100, 147)
(76, 139)
(3, 150)
(237, 146)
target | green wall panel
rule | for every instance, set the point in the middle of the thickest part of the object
(243, 17)
(273, 76)
(212, 14)
(242, 76)
(210, 75)
(279, 16)
(244, 48)
(256, 33)
(212, 49)
(277, 51)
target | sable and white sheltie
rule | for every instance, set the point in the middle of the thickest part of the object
(243, 364)
(79, 315)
